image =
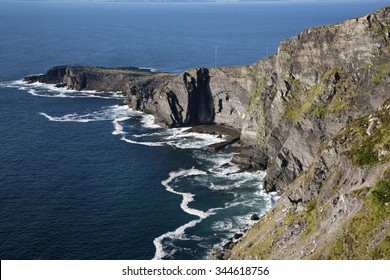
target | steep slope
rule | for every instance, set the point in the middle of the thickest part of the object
(198, 96)
(321, 121)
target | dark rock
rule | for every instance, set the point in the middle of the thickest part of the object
(249, 158)
(237, 235)
(53, 76)
(254, 217)
(229, 245)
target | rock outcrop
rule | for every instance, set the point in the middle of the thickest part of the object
(315, 115)
(199, 96)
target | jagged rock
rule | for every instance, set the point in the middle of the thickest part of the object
(249, 158)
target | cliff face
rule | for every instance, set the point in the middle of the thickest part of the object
(198, 96)
(315, 115)
(318, 82)
(320, 118)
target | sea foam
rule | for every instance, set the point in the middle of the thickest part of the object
(51, 91)
(107, 113)
(187, 197)
(172, 235)
(150, 144)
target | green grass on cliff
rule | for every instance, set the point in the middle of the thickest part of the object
(127, 71)
(369, 150)
(365, 235)
(381, 71)
(320, 100)
(299, 99)
(296, 107)
(339, 97)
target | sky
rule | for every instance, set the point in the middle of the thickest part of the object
(185, 0)
(182, 0)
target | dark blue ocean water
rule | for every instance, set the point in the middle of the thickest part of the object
(84, 178)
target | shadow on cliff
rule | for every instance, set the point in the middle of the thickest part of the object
(200, 108)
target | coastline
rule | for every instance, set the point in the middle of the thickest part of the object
(230, 136)
(316, 121)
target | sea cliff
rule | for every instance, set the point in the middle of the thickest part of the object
(315, 115)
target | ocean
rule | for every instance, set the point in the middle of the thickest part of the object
(84, 177)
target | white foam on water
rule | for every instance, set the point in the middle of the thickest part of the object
(229, 187)
(147, 68)
(179, 138)
(222, 225)
(118, 128)
(105, 114)
(243, 177)
(51, 91)
(150, 144)
(13, 84)
(148, 134)
(176, 137)
(187, 197)
(218, 161)
(148, 121)
(173, 235)
(66, 118)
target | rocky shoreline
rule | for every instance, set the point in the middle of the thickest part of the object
(315, 115)
(230, 136)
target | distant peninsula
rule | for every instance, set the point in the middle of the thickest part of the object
(315, 115)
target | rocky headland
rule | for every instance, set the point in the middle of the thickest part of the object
(315, 115)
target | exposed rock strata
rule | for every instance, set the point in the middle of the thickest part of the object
(320, 117)
(199, 96)
(315, 115)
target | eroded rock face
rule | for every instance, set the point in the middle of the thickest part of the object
(330, 89)
(54, 75)
(317, 83)
(198, 96)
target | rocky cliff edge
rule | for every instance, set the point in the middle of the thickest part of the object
(319, 119)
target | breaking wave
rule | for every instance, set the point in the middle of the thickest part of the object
(51, 91)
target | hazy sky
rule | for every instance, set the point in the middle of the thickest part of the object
(186, 0)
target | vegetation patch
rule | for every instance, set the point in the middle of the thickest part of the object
(370, 149)
(381, 29)
(357, 239)
(299, 100)
(260, 84)
(342, 100)
(320, 100)
(308, 217)
(311, 219)
(381, 71)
